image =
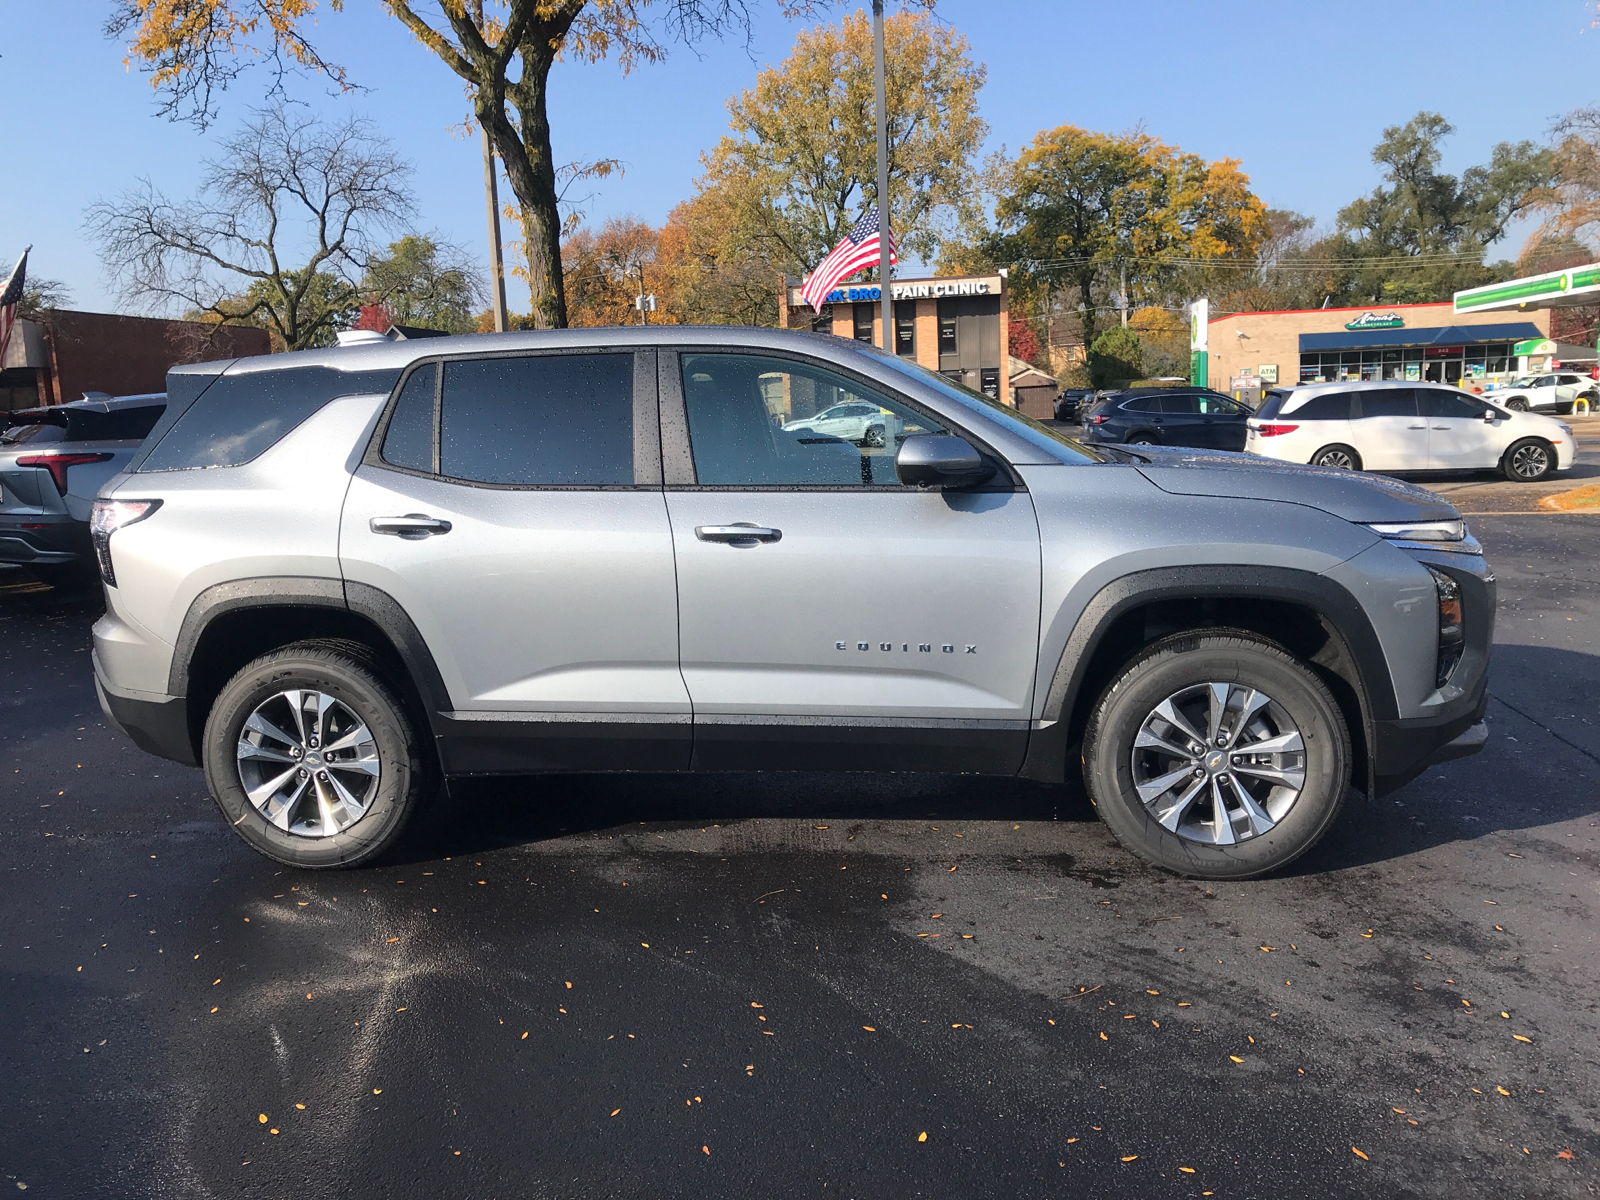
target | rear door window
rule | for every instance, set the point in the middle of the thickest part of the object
(554, 420)
(1144, 404)
(1389, 402)
(408, 442)
(240, 417)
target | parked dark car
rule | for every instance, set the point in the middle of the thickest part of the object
(1072, 403)
(1195, 417)
(52, 462)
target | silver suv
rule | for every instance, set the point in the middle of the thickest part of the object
(333, 577)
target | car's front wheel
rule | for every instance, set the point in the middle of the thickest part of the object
(313, 757)
(1517, 404)
(1529, 461)
(874, 436)
(1344, 457)
(1218, 755)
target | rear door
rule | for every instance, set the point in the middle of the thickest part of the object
(1390, 434)
(1181, 421)
(858, 624)
(512, 507)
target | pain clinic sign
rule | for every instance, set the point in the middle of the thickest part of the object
(1199, 319)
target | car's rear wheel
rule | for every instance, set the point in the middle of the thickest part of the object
(1141, 439)
(313, 757)
(1529, 461)
(1344, 457)
(1217, 755)
(1517, 404)
(874, 436)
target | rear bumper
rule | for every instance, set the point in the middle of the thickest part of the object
(158, 725)
(44, 538)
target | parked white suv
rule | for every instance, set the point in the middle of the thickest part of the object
(1407, 427)
(1555, 392)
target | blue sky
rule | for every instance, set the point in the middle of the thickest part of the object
(1299, 92)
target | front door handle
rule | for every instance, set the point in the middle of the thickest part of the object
(1416, 426)
(740, 531)
(411, 526)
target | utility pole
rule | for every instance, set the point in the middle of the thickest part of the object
(885, 300)
(497, 266)
(644, 314)
(1122, 299)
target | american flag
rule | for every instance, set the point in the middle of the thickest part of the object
(10, 297)
(856, 251)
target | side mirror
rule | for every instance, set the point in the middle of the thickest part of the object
(937, 460)
(1489, 415)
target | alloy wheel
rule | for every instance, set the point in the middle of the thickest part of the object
(308, 763)
(1530, 461)
(1218, 763)
(1336, 458)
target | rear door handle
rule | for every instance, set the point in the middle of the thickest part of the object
(740, 531)
(1416, 426)
(412, 525)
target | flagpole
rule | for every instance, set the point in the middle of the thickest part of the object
(885, 300)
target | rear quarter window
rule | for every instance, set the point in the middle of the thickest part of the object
(118, 425)
(1329, 406)
(240, 417)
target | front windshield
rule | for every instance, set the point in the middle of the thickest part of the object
(1056, 443)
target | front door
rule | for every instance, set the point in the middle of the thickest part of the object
(1390, 434)
(514, 511)
(1222, 422)
(1459, 439)
(828, 617)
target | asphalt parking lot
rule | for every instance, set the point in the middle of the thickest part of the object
(764, 986)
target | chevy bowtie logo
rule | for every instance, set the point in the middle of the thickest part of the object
(902, 647)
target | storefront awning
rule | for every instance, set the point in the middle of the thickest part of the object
(1446, 335)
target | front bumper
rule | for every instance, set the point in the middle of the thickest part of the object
(1404, 749)
(158, 725)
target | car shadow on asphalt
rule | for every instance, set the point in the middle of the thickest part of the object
(485, 813)
(1531, 774)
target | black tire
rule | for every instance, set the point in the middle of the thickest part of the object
(347, 672)
(1141, 439)
(1531, 460)
(1517, 404)
(1191, 660)
(1338, 455)
(874, 436)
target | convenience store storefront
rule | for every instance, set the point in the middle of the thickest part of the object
(1408, 342)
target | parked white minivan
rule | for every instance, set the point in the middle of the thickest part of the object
(1407, 427)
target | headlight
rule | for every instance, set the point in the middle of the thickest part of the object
(108, 516)
(1452, 630)
(1423, 531)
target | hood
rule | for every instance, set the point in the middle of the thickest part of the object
(1355, 496)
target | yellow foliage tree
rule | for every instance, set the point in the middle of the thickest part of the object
(1077, 208)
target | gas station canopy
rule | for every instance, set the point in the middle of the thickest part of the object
(1568, 288)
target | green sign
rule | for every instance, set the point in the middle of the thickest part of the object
(1197, 368)
(1371, 320)
(1533, 346)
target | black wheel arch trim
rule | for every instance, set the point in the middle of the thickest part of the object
(300, 591)
(1330, 601)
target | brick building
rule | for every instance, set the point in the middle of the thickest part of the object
(1422, 342)
(62, 354)
(956, 325)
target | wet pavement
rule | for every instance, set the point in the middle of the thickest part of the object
(787, 985)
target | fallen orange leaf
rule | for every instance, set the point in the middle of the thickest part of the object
(1501, 1090)
(923, 1136)
(1236, 1058)
(1358, 1154)
(1518, 1037)
(1129, 1157)
(1564, 1153)
(1187, 1170)
(615, 1111)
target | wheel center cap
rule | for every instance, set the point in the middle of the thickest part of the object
(313, 759)
(1215, 761)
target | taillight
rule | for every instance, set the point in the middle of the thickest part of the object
(108, 516)
(57, 464)
(1097, 419)
(1275, 430)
